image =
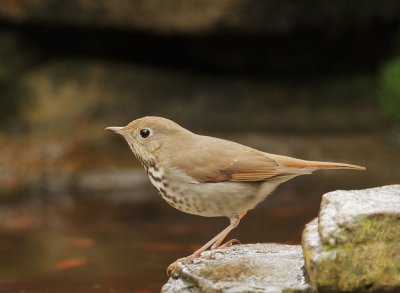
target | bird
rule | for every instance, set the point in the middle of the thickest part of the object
(209, 176)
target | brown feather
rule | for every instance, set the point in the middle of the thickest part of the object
(304, 164)
(218, 160)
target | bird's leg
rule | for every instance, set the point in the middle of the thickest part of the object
(234, 222)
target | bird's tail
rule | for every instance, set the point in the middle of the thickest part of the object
(309, 166)
(331, 165)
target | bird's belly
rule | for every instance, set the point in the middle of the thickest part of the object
(208, 199)
(215, 199)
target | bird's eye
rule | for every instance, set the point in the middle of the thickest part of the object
(144, 133)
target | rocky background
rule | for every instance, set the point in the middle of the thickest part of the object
(313, 79)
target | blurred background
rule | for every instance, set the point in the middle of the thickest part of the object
(312, 79)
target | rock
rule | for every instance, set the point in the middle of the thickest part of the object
(243, 268)
(201, 16)
(355, 242)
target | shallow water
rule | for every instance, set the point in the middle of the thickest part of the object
(91, 246)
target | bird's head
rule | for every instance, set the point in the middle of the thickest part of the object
(147, 135)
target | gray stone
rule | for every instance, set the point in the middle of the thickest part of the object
(360, 215)
(243, 268)
(355, 242)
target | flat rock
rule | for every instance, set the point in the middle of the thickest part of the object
(354, 245)
(360, 215)
(243, 268)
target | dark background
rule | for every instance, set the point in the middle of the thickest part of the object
(313, 79)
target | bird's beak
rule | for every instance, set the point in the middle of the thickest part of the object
(115, 129)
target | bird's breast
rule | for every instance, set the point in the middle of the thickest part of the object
(156, 175)
(178, 189)
(166, 185)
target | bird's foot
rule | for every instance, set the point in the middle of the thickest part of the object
(174, 268)
(225, 245)
(215, 251)
(229, 243)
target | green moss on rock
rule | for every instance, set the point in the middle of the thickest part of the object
(354, 245)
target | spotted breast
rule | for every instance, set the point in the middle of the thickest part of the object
(158, 179)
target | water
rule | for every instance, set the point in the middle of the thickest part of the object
(92, 246)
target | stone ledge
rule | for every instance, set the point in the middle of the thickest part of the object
(243, 268)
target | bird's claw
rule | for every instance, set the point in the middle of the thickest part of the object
(226, 244)
(229, 243)
(175, 268)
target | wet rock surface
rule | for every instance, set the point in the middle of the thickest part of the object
(354, 244)
(243, 268)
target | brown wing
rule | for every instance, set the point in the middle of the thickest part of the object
(216, 160)
(251, 165)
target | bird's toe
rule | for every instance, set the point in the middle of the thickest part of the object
(175, 268)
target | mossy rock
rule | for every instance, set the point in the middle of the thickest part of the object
(354, 244)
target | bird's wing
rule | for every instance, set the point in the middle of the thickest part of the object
(216, 160)
(251, 165)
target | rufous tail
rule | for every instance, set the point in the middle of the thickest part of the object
(330, 165)
(311, 165)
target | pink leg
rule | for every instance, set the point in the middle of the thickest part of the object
(214, 243)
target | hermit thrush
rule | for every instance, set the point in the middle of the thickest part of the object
(208, 176)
